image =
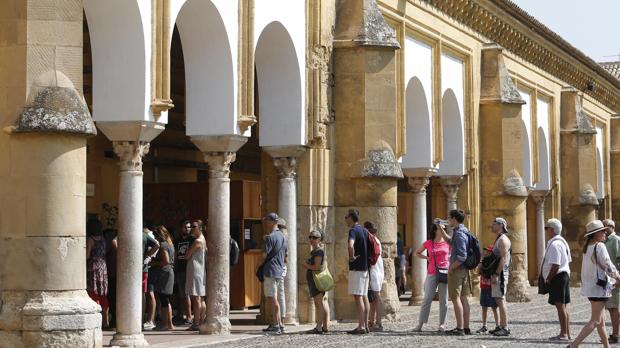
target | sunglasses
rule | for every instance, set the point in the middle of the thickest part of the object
(194, 226)
(313, 237)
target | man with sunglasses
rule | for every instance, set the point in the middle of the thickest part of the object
(358, 269)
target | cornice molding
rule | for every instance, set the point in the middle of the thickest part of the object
(548, 51)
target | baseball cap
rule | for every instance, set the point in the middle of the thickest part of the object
(502, 221)
(271, 217)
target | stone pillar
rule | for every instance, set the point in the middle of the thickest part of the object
(129, 284)
(539, 199)
(365, 140)
(43, 302)
(418, 186)
(615, 166)
(285, 161)
(577, 172)
(450, 186)
(501, 159)
(219, 152)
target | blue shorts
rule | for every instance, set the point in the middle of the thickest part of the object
(485, 298)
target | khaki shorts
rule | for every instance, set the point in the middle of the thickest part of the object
(614, 300)
(270, 286)
(459, 283)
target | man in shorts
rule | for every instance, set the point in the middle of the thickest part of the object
(273, 266)
(499, 281)
(613, 248)
(358, 269)
(556, 272)
(459, 285)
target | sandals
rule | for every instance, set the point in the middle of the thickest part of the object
(315, 331)
(357, 331)
(192, 328)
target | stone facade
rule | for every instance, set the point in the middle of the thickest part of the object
(499, 102)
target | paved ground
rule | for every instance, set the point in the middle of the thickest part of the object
(531, 324)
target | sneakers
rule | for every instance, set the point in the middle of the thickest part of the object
(456, 332)
(494, 330)
(467, 331)
(502, 332)
(272, 330)
(282, 328)
(482, 330)
(440, 328)
(148, 325)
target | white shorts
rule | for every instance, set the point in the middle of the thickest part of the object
(358, 283)
(270, 286)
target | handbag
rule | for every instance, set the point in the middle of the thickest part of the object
(543, 289)
(600, 282)
(323, 279)
(441, 273)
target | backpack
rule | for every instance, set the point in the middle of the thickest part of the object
(374, 251)
(473, 252)
(234, 252)
(489, 265)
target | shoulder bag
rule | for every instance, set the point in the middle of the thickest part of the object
(260, 271)
(323, 279)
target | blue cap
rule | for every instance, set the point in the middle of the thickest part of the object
(271, 217)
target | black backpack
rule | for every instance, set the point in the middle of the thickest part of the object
(473, 252)
(234, 252)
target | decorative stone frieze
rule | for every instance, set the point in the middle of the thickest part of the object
(450, 185)
(418, 184)
(360, 23)
(130, 154)
(514, 185)
(380, 163)
(286, 167)
(219, 163)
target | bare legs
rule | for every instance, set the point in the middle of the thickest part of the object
(195, 300)
(615, 320)
(597, 321)
(322, 312)
(484, 315)
(461, 312)
(564, 319)
(276, 319)
(363, 307)
(376, 311)
(503, 313)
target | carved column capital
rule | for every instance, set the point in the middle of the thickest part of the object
(539, 198)
(130, 154)
(418, 184)
(286, 166)
(219, 163)
(450, 186)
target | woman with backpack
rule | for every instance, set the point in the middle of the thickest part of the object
(377, 274)
(437, 255)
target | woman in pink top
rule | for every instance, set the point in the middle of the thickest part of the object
(437, 254)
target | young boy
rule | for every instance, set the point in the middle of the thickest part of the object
(486, 300)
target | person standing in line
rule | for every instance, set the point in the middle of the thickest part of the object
(111, 240)
(598, 276)
(486, 300)
(281, 296)
(195, 281)
(556, 273)
(459, 283)
(182, 245)
(358, 269)
(314, 264)
(499, 281)
(402, 265)
(96, 268)
(149, 248)
(375, 283)
(437, 256)
(274, 259)
(163, 267)
(613, 248)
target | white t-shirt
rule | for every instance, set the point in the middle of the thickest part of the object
(556, 254)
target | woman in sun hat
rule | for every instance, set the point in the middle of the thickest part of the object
(596, 284)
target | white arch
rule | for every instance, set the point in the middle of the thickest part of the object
(210, 78)
(280, 98)
(120, 37)
(544, 181)
(527, 156)
(453, 140)
(600, 182)
(419, 128)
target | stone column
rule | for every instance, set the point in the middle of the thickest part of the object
(219, 152)
(418, 186)
(285, 161)
(450, 186)
(539, 198)
(365, 141)
(577, 172)
(503, 192)
(129, 283)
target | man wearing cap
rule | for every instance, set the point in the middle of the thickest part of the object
(556, 272)
(274, 260)
(613, 248)
(499, 281)
(358, 269)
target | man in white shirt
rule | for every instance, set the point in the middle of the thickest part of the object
(556, 272)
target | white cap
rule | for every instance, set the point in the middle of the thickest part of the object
(555, 224)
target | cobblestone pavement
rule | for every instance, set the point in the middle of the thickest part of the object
(531, 325)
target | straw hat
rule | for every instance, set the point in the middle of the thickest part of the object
(593, 227)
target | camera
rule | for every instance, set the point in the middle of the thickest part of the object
(439, 221)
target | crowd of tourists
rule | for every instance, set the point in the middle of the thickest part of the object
(174, 272)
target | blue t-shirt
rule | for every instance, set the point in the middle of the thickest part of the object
(276, 249)
(359, 235)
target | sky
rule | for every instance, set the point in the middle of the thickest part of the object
(592, 26)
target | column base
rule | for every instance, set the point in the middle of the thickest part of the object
(131, 340)
(290, 321)
(518, 283)
(416, 300)
(216, 327)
